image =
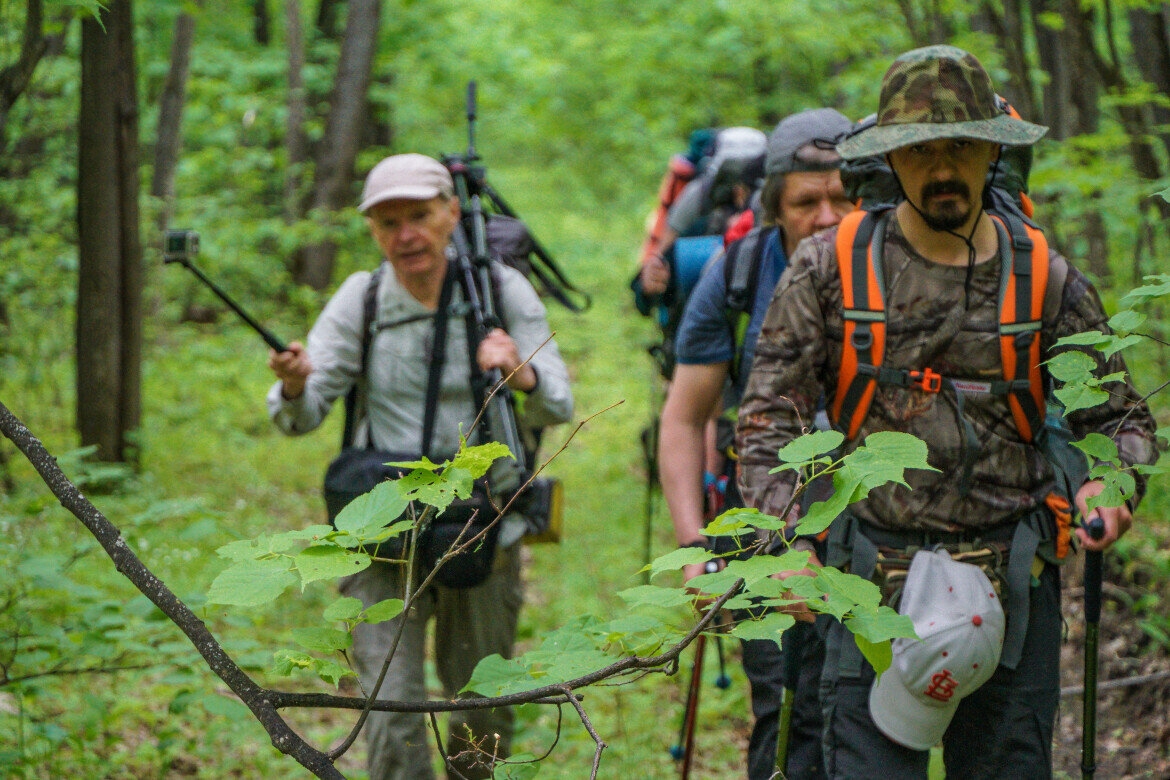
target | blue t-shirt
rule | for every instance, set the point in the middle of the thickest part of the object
(704, 336)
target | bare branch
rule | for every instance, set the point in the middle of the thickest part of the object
(592, 732)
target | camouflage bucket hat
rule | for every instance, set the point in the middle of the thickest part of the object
(937, 92)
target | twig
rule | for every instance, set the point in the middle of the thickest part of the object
(1123, 682)
(592, 732)
(504, 381)
(5, 681)
(450, 767)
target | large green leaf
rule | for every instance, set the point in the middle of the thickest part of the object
(878, 624)
(371, 511)
(249, 583)
(654, 596)
(809, 446)
(383, 610)
(322, 640)
(345, 608)
(1098, 446)
(478, 459)
(498, 676)
(326, 562)
(1126, 320)
(771, 626)
(879, 654)
(1077, 396)
(676, 559)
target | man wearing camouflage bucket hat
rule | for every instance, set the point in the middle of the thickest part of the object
(930, 317)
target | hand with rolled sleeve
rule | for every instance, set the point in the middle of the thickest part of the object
(292, 367)
(499, 351)
(1117, 519)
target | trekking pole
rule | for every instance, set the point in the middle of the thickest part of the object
(179, 247)
(686, 749)
(1093, 564)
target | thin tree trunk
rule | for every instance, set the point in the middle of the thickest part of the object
(1054, 61)
(296, 145)
(261, 24)
(170, 118)
(338, 149)
(109, 334)
(327, 18)
(1008, 29)
(14, 78)
(1150, 38)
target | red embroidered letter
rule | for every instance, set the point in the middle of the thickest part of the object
(942, 686)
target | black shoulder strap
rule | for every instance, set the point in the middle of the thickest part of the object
(437, 358)
(741, 275)
(369, 305)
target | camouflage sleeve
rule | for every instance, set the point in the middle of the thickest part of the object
(1124, 417)
(785, 384)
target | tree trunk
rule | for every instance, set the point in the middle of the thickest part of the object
(109, 318)
(1054, 60)
(14, 78)
(339, 145)
(260, 22)
(170, 117)
(1008, 29)
(296, 145)
(327, 18)
(1150, 38)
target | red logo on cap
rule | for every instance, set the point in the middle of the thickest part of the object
(942, 686)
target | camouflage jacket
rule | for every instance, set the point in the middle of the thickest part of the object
(797, 362)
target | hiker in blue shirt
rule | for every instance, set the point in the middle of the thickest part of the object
(802, 194)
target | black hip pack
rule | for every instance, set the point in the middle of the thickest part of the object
(358, 470)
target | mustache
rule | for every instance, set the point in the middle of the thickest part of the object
(951, 187)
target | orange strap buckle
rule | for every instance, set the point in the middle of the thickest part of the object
(926, 380)
(1062, 512)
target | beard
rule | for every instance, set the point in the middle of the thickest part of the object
(946, 215)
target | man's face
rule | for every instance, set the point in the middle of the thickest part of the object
(810, 201)
(944, 178)
(413, 234)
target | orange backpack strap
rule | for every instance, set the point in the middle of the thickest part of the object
(1023, 281)
(858, 236)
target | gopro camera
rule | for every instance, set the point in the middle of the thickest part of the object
(180, 245)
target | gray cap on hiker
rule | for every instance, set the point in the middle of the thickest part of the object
(960, 625)
(820, 127)
(406, 177)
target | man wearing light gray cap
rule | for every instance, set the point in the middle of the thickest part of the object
(411, 211)
(802, 194)
(931, 317)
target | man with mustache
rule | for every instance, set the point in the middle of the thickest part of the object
(907, 328)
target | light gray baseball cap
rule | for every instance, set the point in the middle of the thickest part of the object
(960, 624)
(406, 177)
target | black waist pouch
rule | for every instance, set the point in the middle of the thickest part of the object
(357, 471)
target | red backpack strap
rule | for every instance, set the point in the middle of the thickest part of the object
(1023, 282)
(865, 320)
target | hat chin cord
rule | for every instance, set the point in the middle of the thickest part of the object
(965, 239)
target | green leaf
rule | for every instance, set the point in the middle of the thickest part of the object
(383, 610)
(478, 459)
(821, 514)
(771, 626)
(331, 671)
(312, 533)
(676, 559)
(423, 463)
(879, 654)
(329, 562)
(880, 624)
(1126, 320)
(438, 490)
(1088, 338)
(322, 640)
(733, 521)
(856, 590)
(285, 662)
(1140, 295)
(366, 513)
(1116, 344)
(654, 596)
(1076, 396)
(1098, 446)
(809, 446)
(497, 676)
(345, 608)
(1071, 366)
(760, 566)
(249, 583)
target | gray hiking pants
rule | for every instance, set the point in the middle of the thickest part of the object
(470, 624)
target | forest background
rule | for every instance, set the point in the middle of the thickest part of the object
(580, 107)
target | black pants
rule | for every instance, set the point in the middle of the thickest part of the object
(770, 669)
(1002, 730)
